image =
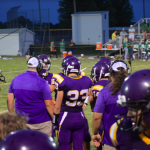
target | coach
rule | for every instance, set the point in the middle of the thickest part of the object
(32, 98)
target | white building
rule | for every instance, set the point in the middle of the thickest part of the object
(90, 27)
(14, 40)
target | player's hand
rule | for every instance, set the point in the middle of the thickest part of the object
(84, 106)
(96, 140)
(54, 128)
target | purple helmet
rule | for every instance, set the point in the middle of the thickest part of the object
(72, 65)
(45, 60)
(99, 70)
(135, 93)
(28, 140)
(105, 60)
(65, 58)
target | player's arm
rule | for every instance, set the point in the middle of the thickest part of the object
(58, 102)
(86, 101)
(10, 103)
(52, 88)
(57, 107)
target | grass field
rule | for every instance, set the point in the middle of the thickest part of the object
(17, 65)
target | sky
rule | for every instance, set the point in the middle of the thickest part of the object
(53, 6)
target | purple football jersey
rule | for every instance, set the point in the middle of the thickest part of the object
(97, 87)
(30, 91)
(48, 78)
(107, 104)
(75, 91)
(128, 140)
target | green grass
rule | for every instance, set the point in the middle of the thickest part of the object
(11, 68)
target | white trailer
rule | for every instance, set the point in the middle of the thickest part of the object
(90, 27)
(14, 41)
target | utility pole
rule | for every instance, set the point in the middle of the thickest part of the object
(40, 14)
(143, 8)
(74, 4)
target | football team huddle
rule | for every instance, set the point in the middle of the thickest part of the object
(120, 103)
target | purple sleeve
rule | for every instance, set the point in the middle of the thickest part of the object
(46, 92)
(11, 88)
(100, 102)
(61, 87)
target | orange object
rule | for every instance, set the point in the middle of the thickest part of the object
(70, 53)
(53, 50)
(109, 46)
(98, 45)
(82, 55)
(64, 54)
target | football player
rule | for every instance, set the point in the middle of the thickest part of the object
(2, 78)
(72, 91)
(28, 140)
(99, 74)
(46, 63)
(132, 131)
(87, 136)
(105, 107)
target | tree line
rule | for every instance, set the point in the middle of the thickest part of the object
(120, 11)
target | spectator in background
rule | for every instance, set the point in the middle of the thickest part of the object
(145, 35)
(114, 35)
(146, 49)
(62, 46)
(131, 32)
(130, 49)
(115, 42)
(9, 123)
(149, 29)
(123, 33)
(140, 49)
(125, 49)
(144, 27)
(32, 98)
(72, 47)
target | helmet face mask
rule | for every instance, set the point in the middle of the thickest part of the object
(46, 63)
(135, 95)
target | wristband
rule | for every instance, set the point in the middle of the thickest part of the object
(55, 119)
(86, 100)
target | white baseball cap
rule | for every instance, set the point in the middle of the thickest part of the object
(123, 29)
(131, 25)
(117, 65)
(34, 61)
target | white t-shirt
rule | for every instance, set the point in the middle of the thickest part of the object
(123, 33)
(131, 30)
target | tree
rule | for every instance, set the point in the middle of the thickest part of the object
(120, 11)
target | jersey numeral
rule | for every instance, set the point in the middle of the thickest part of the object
(74, 95)
(95, 94)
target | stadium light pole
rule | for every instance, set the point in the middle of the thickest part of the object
(74, 4)
(143, 8)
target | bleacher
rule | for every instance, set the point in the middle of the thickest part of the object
(138, 36)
